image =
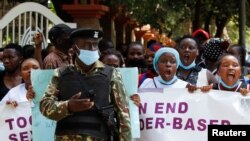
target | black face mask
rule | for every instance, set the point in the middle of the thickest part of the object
(137, 63)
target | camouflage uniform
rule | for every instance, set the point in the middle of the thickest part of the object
(57, 110)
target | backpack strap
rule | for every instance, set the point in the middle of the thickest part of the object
(197, 68)
(66, 69)
(107, 71)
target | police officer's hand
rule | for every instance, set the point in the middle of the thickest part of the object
(76, 104)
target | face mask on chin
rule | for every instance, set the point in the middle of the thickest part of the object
(88, 57)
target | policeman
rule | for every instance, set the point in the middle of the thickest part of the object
(77, 95)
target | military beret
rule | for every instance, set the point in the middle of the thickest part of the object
(87, 33)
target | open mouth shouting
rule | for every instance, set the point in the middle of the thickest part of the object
(168, 74)
(186, 58)
(231, 75)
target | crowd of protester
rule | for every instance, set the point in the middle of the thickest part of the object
(197, 61)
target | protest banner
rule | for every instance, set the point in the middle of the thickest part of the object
(41, 125)
(177, 115)
(15, 123)
(131, 88)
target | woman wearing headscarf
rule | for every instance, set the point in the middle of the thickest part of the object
(165, 63)
(214, 48)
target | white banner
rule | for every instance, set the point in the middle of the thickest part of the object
(177, 115)
(15, 123)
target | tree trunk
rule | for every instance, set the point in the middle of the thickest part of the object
(196, 21)
(61, 13)
(5, 6)
(208, 22)
(220, 24)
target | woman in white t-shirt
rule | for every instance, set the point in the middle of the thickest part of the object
(166, 62)
(189, 71)
(18, 94)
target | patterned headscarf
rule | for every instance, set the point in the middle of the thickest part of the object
(214, 48)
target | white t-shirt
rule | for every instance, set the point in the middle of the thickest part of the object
(202, 78)
(17, 94)
(154, 83)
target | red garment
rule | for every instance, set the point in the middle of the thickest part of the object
(55, 60)
(148, 74)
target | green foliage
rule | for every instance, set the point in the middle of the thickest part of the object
(233, 31)
(171, 15)
(248, 38)
(161, 14)
(51, 6)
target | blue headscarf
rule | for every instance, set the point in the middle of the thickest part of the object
(158, 54)
(163, 50)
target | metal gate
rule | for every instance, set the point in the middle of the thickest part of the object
(25, 19)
